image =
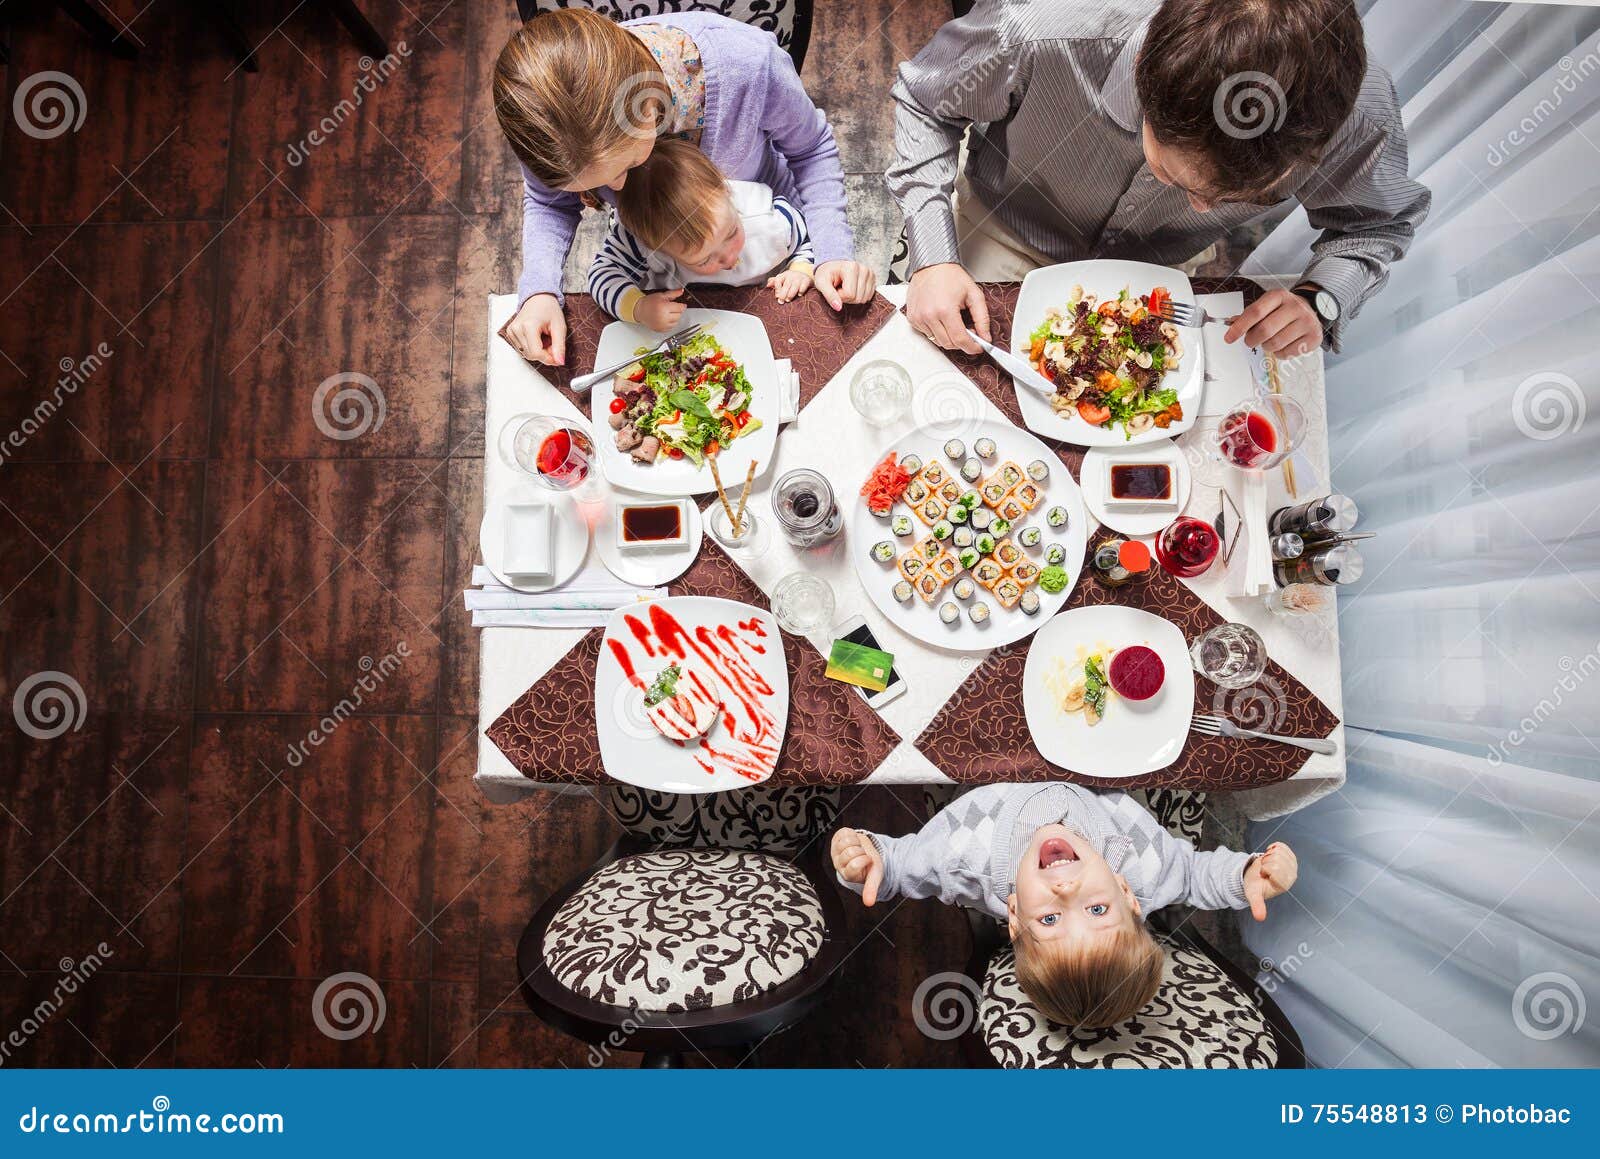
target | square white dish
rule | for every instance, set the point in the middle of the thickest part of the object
(529, 549)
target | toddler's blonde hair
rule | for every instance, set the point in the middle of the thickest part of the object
(1108, 983)
(571, 86)
(671, 201)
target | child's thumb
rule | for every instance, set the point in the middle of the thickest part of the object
(869, 892)
(678, 293)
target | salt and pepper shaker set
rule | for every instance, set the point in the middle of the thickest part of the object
(1311, 542)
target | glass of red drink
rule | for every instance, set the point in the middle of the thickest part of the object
(1257, 435)
(557, 452)
(1186, 546)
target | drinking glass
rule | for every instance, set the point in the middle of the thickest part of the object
(557, 452)
(1186, 546)
(751, 541)
(1257, 435)
(881, 392)
(802, 603)
(805, 508)
(1230, 655)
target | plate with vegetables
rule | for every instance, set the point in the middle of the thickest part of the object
(1108, 691)
(968, 536)
(1122, 374)
(669, 413)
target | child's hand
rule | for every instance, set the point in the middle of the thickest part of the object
(840, 282)
(1269, 875)
(789, 285)
(661, 310)
(857, 861)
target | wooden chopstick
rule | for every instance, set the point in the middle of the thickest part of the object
(744, 497)
(716, 477)
(1276, 383)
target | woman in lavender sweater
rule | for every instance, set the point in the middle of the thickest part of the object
(583, 99)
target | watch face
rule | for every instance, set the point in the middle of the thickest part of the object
(1327, 305)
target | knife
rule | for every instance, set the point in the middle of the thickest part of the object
(1016, 366)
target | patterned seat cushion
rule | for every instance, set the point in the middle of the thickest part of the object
(768, 818)
(1199, 1018)
(684, 929)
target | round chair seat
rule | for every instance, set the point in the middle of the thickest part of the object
(684, 929)
(1199, 1018)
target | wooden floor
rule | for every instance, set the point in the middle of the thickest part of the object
(187, 545)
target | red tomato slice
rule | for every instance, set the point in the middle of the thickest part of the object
(1094, 414)
(674, 453)
(713, 447)
(618, 405)
(637, 375)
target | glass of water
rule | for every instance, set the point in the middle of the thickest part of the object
(881, 392)
(802, 603)
(1230, 655)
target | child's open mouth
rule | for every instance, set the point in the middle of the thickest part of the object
(1056, 851)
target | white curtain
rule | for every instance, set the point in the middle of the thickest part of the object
(1448, 911)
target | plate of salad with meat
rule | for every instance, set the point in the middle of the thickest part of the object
(1122, 373)
(673, 411)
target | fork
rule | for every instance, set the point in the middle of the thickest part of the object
(582, 382)
(1183, 314)
(1222, 726)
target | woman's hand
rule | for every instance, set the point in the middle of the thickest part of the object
(934, 303)
(789, 285)
(538, 331)
(1269, 876)
(841, 281)
(856, 860)
(660, 310)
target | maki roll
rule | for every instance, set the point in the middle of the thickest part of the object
(912, 565)
(883, 551)
(957, 514)
(987, 574)
(929, 586)
(1030, 536)
(962, 590)
(912, 463)
(931, 510)
(1056, 517)
(971, 500)
(1012, 509)
(980, 518)
(943, 529)
(984, 542)
(984, 448)
(947, 568)
(968, 557)
(955, 450)
(971, 469)
(1024, 572)
(950, 491)
(1008, 591)
(1026, 494)
(916, 491)
(901, 525)
(933, 474)
(949, 613)
(1007, 554)
(1029, 603)
(1008, 473)
(963, 537)
(978, 613)
(928, 549)
(1055, 555)
(1038, 470)
(903, 592)
(994, 492)
(1000, 528)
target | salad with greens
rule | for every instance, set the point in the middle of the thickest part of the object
(686, 403)
(1107, 359)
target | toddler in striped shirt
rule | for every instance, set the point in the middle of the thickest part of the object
(678, 220)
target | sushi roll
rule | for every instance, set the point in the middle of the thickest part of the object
(1056, 517)
(903, 592)
(928, 549)
(912, 463)
(943, 529)
(1007, 554)
(1008, 591)
(1008, 473)
(930, 510)
(968, 557)
(949, 613)
(1030, 536)
(1055, 555)
(962, 590)
(980, 518)
(947, 568)
(987, 573)
(957, 513)
(978, 613)
(902, 525)
(884, 514)
(985, 542)
(929, 586)
(994, 492)
(1038, 470)
(984, 448)
(911, 565)
(971, 469)
(932, 475)
(1026, 494)
(971, 500)
(1029, 603)
(950, 491)
(963, 537)
(914, 493)
(1011, 510)
(1025, 572)
(955, 450)
(883, 551)
(1000, 528)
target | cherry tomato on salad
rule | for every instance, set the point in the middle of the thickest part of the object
(1094, 414)
(637, 375)
(674, 453)
(1159, 297)
(741, 420)
(618, 405)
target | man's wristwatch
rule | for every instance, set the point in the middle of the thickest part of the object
(1322, 303)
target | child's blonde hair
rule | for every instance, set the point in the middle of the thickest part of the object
(1110, 982)
(571, 86)
(672, 200)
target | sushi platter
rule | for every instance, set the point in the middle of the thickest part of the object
(969, 536)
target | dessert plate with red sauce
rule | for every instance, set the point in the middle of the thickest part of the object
(691, 695)
(1146, 702)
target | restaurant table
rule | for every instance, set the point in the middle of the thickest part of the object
(533, 682)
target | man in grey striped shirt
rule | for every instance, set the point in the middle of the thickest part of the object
(1148, 130)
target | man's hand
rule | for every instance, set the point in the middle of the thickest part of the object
(857, 861)
(661, 310)
(840, 282)
(935, 301)
(789, 285)
(538, 332)
(1269, 876)
(1280, 322)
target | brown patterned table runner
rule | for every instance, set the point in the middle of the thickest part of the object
(809, 332)
(832, 736)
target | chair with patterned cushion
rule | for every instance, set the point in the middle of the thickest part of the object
(788, 20)
(663, 950)
(771, 819)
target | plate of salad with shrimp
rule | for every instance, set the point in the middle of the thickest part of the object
(1122, 373)
(672, 412)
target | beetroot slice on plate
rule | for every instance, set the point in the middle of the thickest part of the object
(1136, 672)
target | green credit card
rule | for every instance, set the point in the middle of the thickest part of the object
(858, 664)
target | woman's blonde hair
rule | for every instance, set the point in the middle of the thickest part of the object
(671, 201)
(1110, 982)
(571, 86)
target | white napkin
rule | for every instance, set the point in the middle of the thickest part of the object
(586, 600)
(1250, 574)
(1229, 380)
(788, 391)
(545, 618)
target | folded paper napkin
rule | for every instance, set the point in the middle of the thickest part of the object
(585, 601)
(1229, 377)
(1251, 571)
(788, 391)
